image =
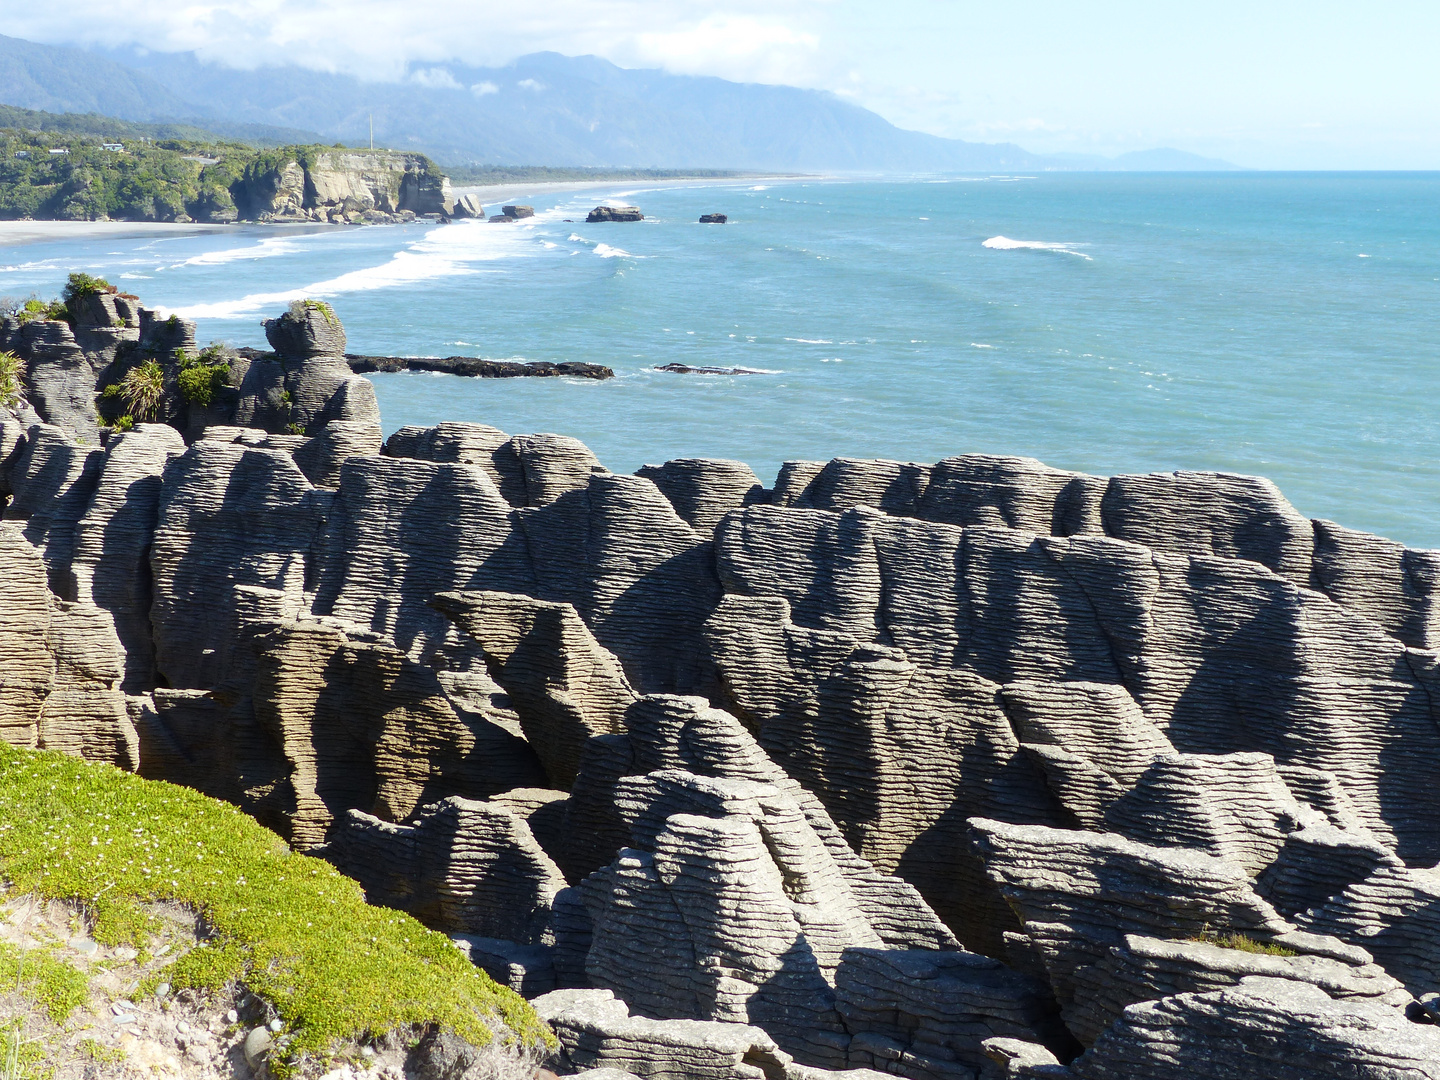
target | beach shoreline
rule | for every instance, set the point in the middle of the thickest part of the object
(499, 194)
(17, 233)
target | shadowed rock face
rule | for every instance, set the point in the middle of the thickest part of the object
(948, 770)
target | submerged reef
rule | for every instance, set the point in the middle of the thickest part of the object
(949, 771)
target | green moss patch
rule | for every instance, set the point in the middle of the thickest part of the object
(291, 928)
(1245, 943)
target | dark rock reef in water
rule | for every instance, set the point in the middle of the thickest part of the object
(713, 219)
(972, 769)
(475, 367)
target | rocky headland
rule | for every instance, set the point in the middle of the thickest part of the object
(949, 771)
(77, 177)
(342, 186)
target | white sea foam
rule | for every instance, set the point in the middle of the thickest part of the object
(265, 249)
(977, 345)
(810, 341)
(1004, 243)
(605, 251)
(21, 268)
(447, 251)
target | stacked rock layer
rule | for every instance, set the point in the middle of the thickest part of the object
(963, 770)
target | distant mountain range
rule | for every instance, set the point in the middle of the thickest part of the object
(541, 109)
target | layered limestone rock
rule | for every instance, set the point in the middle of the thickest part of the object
(229, 516)
(307, 382)
(51, 484)
(59, 376)
(110, 561)
(402, 530)
(312, 721)
(60, 689)
(343, 186)
(1147, 969)
(1189, 513)
(462, 865)
(811, 592)
(1394, 913)
(705, 747)
(597, 1032)
(703, 490)
(563, 686)
(1264, 1029)
(1078, 893)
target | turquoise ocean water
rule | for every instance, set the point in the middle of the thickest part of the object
(1277, 324)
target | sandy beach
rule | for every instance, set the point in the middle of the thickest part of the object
(29, 232)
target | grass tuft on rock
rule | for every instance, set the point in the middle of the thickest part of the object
(12, 379)
(1244, 943)
(290, 928)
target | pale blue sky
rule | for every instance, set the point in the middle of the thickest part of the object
(1270, 85)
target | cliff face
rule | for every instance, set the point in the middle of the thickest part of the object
(342, 186)
(948, 770)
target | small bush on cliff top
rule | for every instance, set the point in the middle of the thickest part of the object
(84, 285)
(292, 929)
(35, 308)
(202, 377)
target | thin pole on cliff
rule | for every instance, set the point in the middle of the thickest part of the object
(372, 131)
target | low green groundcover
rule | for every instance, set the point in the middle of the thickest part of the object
(291, 928)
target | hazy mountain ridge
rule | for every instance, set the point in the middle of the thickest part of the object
(542, 108)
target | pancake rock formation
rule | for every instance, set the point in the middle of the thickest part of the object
(950, 771)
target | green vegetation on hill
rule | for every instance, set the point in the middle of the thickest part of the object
(290, 928)
(488, 175)
(112, 128)
(77, 175)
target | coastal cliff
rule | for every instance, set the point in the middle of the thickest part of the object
(304, 184)
(51, 175)
(961, 770)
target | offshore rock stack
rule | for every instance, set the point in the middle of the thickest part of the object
(968, 770)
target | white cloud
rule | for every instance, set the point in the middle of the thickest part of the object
(746, 47)
(480, 89)
(530, 84)
(436, 78)
(386, 39)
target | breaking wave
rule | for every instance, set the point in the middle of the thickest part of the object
(1004, 243)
